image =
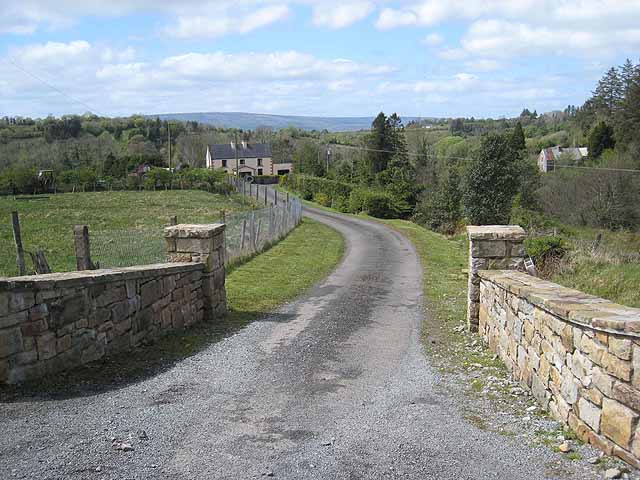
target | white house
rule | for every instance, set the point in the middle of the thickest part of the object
(252, 159)
(549, 157)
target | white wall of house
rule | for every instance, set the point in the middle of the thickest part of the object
(252, 166)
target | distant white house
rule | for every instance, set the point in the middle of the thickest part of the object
(252, 159)
(549, 157)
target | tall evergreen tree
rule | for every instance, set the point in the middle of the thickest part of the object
(517, 138)
(491, 181)
(600, 139)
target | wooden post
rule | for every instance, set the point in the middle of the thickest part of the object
(265, 195)
(223, 216)
(287, 198)
(173, 220)
(17, 236)
(40, 262)
(275, 195)
(83, 250)
(257, 237)
(244, 228)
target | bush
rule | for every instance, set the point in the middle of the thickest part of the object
(322, 199)
(356, 201)
(380, 205)
(266, 179)
(545, 249)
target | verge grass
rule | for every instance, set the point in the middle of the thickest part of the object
(47, 221)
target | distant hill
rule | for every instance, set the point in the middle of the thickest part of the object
(250, 121)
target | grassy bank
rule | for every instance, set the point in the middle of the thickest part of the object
(608, 267)
(47, 221)
(308, 254)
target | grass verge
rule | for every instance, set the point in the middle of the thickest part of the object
(259, 286)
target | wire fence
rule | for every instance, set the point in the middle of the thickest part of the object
(246, 234)
(252, 232)
(126, 248)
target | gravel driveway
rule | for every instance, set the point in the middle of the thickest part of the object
(333, 386)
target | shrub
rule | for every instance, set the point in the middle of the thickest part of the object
(546, 248)
(266, 179)
(380, 205)
(322, 199)
(356, 201)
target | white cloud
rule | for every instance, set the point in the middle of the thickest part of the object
(341, 15)
(52, 52)
(483, 65)
(113, 82)
(432, 40)
(499, 38)
(220, 23)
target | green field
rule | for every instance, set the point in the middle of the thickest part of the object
(124, 223)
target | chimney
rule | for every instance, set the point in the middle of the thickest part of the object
(233, 146)
(244, 144)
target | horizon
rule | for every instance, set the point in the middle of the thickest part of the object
(345, 59)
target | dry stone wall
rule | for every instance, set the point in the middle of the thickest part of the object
(54, 322)
(579, 355)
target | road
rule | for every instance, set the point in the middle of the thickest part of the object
(333, 386)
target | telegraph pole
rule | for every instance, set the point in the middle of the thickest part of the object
(170, 173)
(235, 149)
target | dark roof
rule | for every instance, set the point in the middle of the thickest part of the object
(226, 152)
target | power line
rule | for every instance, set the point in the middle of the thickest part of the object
(53, 87)
(353, 147)
(628, 170)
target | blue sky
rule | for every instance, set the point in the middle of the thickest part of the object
(303, 57)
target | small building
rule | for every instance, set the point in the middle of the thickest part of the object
(253, 159)
(549, 157)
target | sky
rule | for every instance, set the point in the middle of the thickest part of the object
(424, 58)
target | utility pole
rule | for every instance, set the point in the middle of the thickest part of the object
(235, 149)
(169, 133)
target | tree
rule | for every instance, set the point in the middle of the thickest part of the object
(440, 209)
(491, 181)
(600, 139)
(517, 138)
(306, 157)
(379, 144)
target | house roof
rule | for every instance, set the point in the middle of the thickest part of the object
(225, 151)
(553, 153)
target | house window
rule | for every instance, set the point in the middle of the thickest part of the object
(259, 162)
(259, 171)
(224, 163)
(242, 161)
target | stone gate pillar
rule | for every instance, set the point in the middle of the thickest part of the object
(205, 244)
(491, 247)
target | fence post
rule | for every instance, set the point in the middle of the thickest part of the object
(244, 228)
(82, 248)
(173, 220)
(265, 195)
(17, 236)
(275, 196)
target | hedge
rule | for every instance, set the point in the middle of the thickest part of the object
(342, 196)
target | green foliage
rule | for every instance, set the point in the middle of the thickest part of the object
(440, 209)
(491, 182)
(546, 248)
(322, 199)
(600, 139)
(517, 138)
(380, 205)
